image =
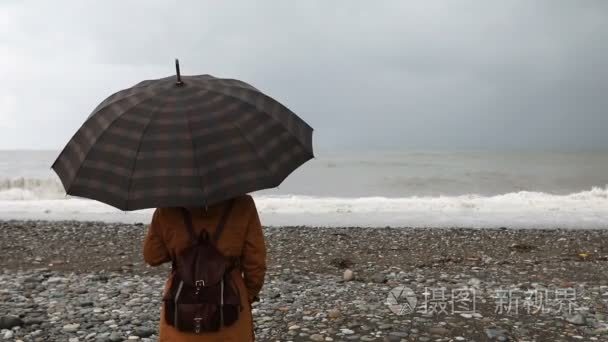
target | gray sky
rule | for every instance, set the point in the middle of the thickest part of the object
(364, 74)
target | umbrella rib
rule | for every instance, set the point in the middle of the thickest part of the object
(236, 83)
(143, 133)
(95, 111)
(196, 164)
(256, 108)
(93, 143)
(264, 161)
(105, 105)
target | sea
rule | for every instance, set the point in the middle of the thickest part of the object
(475, 189)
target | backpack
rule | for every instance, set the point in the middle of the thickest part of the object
(203, 296)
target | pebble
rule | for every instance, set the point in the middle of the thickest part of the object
(144, 332)
(333, 313)
(71, 327)
(379, 278)
(576, 319)
(496, 334)
(8, 334)
(115, 337)
(9, 321)
(348, 275)
(398, 334)
(438, 331)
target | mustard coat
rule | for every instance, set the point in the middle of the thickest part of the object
(242, 236)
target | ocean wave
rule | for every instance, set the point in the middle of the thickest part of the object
(597, 197)
(31, 189)
(21, 188)
(523, 209)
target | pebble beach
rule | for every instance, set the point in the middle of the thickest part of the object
(86, 281)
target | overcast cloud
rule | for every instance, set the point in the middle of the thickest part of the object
(364, 74)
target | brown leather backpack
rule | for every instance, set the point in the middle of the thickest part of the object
(203, 296)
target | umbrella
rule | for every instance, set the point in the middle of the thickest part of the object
(183, 141)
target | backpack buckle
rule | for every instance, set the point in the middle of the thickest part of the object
(197, 324)
(198, 284)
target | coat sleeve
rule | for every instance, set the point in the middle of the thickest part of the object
(253, 259)
(155, 250)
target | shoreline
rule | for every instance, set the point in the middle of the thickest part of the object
(57, 273)
(143, 220)
(587, 209)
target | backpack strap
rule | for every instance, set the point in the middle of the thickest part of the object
(189, 226)
(220, 227)
(218, 232)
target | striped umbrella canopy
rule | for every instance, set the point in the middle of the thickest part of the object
(183, 141)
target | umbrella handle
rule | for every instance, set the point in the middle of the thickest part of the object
(179, 76)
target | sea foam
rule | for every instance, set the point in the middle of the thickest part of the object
(22, 188)
(524, 209)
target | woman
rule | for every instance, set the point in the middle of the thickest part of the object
(241, 237)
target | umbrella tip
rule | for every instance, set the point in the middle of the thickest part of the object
(179, 76)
